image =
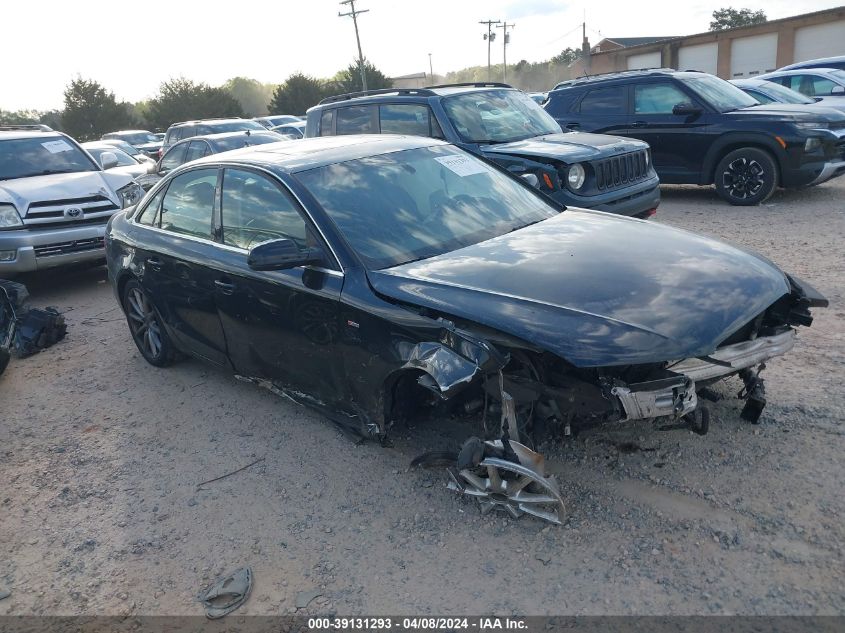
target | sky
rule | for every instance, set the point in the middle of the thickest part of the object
(131, 47)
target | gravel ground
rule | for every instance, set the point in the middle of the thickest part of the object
(100, 512)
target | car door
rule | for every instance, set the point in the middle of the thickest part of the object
(603, 110)
(280, 325)
(176, 263)
(678, 142)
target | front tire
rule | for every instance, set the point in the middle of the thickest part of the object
(146, 327)
(746, 177)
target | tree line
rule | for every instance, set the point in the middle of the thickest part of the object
(90, 109)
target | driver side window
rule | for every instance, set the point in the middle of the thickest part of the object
(255, 210)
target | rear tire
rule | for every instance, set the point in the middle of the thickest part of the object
(146, 327)
(746, 176)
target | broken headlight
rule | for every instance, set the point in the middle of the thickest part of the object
(9, 218)
(130, 194)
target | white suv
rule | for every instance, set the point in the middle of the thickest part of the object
(55, 200)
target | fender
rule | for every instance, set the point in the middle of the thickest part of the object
(734, 141)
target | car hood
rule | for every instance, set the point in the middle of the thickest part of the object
(777, 111)
(22, 192)
(567, 146)
(596, 289)
(818, 110)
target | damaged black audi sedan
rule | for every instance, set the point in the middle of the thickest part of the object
(374, 277)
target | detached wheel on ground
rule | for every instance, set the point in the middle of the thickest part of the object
(746, 176)
(145, 326)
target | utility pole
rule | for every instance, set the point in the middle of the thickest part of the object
(430, 68)
(489, 36)
(355, 15)
(506, 39)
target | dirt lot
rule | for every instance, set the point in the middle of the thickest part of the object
(101, 455)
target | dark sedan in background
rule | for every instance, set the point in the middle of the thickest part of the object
(377, 277)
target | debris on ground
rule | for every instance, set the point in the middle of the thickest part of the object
(227, 594)
(304, 598)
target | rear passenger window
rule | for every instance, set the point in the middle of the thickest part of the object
(326, 123)
(255, 210)
(356, 120)
(406, 118)
(189, 202)
(603, 101)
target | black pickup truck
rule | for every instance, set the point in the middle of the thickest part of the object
(703, 130)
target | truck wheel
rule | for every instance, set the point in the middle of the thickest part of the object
(746, 176)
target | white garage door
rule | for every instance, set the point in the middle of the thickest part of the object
(821, 40)
(702, 57)
(646, 60)
(754, 55)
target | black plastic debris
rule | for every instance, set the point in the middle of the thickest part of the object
(38, 329)
(12, 296)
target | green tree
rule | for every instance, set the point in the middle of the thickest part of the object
(251, 94)
(181, 99)
(91, 111)
(297, 94)
(730, 18)
(19, 117)
(566, 56)
(349, 79)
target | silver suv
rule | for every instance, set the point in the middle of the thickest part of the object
(55, 200)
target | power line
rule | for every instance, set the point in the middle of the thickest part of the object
(489, 36)
(355, 15)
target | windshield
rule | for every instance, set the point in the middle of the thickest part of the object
(138, 138)
(782, 94)
(26, 157)
(498, 116)
(123, 159)
(719, 93)
(236, 142)
(418, 203)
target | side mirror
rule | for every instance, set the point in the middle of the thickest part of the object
(837, 90)
(108, 160)
(282, 255)
(686, 109)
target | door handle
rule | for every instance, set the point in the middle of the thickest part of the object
(226, 287)
(638, 124)
(154, 263)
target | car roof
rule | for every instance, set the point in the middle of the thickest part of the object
(100, 145)
(749, 81)
(413, 93)
(308, 153)
(130, 132)
(220, 136)
(623, 75)
(800, 71)
(20, 134)
(821, 60)
(220, 120)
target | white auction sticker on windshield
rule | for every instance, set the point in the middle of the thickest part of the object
(54, 147)
(462, 165)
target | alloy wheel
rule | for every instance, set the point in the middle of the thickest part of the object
(743, 178)
(143, 322)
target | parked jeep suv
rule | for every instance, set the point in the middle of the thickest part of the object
(703, 130)
(55, 200)
(505, 125)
